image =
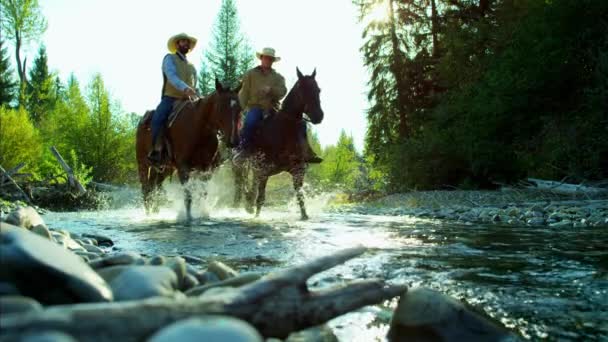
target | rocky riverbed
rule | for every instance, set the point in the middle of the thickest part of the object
(49, 275)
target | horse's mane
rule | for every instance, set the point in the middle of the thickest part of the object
(289, 102)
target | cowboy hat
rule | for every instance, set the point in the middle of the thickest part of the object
(267, 52)
(172, 43)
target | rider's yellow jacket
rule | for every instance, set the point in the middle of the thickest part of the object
(255, 82)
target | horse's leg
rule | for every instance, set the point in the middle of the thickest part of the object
(298, 181)
(184, 174)
(262, 181)
(239, 183)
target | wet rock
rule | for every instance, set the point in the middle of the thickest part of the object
(208, 328)
(26, 217)
(220, 269)
(536, 221)
(93, 249)
(560, 224)
(427, 315)
(178, 265)
(89, 256)
(139, 282)
(157, 260)
(123, 258)
(47, 336)
(189, 282)
(317, 334)
(42, 270)
(102, 240)
(42, 230)
(8, 289)
(18, 304)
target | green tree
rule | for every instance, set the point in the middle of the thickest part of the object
(22, 22)
(206, 80)
(19, 139)
(341, 164)
(229, 54)
(40, 93)
(7, 83)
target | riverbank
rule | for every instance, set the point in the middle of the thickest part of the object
(509, 207)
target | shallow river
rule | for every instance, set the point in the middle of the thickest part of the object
(544, 283)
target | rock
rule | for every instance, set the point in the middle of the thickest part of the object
(26, 217)
(47, 336)
(189, 282)
(157, 260)
(208, 328)
(139, 282)
(18, 304)
(178, 265)
(536, 221)
(427, 315)
(93, 249)
(42, 230)
(123, 258)
(89, 256)
(317, 334)
(8, 289)
(42, 270)
(564, 223)
(220, 269)
(102, 240)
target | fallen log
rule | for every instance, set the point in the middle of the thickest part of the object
(74, 183)
(564, 188)
(276, 305)
(12, 181)
(12, 172)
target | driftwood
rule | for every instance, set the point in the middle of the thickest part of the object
(12, 172)
(12, 181)
(74, 183)
(276, 305)
(564, 188)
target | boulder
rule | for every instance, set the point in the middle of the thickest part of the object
(122, 258)
(427, 315)
(208, 328)
(139, 282)
(222, 270)
(42, 270)
(26, 217)
(18, 304)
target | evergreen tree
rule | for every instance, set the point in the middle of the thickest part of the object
(229, 54)
(40, 92)
(7, 83)
(206, 81)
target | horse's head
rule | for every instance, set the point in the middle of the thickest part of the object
(227, 113)
(308, 92)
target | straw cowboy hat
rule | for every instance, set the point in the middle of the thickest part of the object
(267, 52)
(172, 43)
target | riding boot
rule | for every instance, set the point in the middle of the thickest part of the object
(155, 155)
(309, 155)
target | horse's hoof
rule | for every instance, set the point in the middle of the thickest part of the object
(305, 217)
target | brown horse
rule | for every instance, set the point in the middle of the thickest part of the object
(276, 146)
(193, 137)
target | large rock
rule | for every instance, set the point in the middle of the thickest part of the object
(42, 270)
(222, 270)
(208, 328)
(26, 217)
(18, 304)
(47, 336)
(139, 282)
(123, 258)
(427, 315)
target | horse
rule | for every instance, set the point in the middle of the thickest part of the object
(276, 146)
(193, 137)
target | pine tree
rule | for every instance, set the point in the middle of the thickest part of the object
(8, 85)
(229, 54)
(205, 80)
(40, 92)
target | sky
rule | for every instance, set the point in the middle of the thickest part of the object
(125, 41)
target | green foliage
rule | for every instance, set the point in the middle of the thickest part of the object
(19, 139)
(341, 164)
(8, 86)
(501, 91)
(229, 55)
(40, 93)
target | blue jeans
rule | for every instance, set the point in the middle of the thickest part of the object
(253, 117)
(159, 119)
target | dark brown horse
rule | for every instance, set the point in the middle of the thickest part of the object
(193, 137)
(277, 148)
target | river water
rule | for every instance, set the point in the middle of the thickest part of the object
(543, 283)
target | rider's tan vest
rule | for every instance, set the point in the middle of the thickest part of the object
(185, 71)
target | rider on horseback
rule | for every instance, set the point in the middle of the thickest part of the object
(262, 90)
(179, 82)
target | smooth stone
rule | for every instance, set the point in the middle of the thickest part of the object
(157, 260)
(47, 336)
(93, 249)
(26, 217)
(316, 334)
(88, 255)
(178, 265)
(189, 282)
(48, 273)
(208, 328)
(427, 315)
(113, 259)
(536, 221)
(42, 230)
(222, 270)
(102, 240)
(18, 304)
(89, 241)
(8, 289)
(139, 282)
(564, 223)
